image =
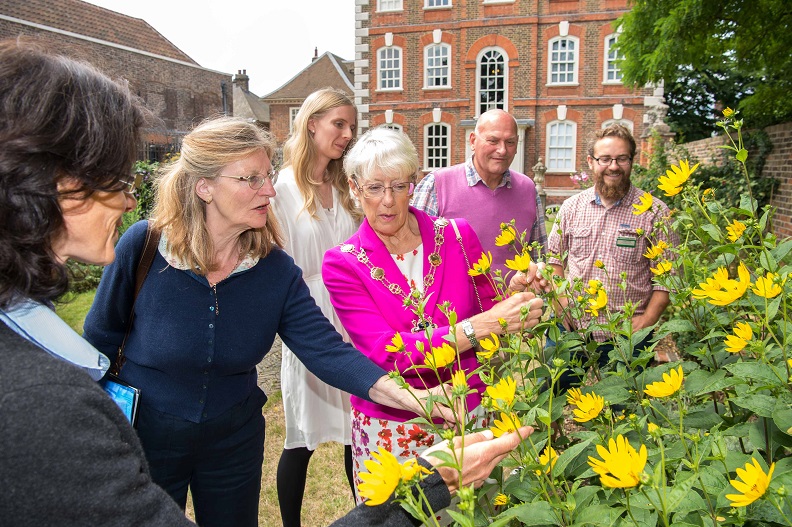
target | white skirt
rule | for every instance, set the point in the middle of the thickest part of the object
(315, 412)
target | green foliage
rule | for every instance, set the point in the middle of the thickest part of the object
(723, 174)
(737, 39)
(73, 307)
(145, 173)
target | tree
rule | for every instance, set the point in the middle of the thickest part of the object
(708, 44)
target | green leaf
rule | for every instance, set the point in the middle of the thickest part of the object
(767, 261)
(675, 325)
(569, 455)
(678, 492)
(761, 405)
(742, 155)
(780, 252)
(599, 515)
(538, 513)
(461, 519)
(713, 231)
(782, 414)
(754, 371)
(702, 419)
(699, 382)
(746, 203)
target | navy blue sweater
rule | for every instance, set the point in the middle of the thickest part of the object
(189, 361)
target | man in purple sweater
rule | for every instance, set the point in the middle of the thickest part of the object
(484, 191)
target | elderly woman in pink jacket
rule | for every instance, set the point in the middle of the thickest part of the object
(389, 281)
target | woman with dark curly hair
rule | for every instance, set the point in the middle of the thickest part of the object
(67, 143)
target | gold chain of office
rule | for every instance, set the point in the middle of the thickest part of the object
(414, 298)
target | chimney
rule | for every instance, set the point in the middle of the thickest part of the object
(242, 80)
(316, 54)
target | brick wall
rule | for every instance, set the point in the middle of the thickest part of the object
(778, 165)
(522, 30)
(178, 95)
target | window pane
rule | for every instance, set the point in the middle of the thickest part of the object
(437, 60)
(390, 68)
(389, 5)
(612, 71)
(492, 80)
(561, 143)
(436, 146)
(563, 59)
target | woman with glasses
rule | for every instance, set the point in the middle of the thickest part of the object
(316, 211)
(218, 291)
(389, 281)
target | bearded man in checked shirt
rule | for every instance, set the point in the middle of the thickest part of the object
(599, 224)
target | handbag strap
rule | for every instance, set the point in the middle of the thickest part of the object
(144, 264)
(467, 263)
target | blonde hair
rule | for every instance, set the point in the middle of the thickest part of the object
(181, 214)
(389, 151)
(299, 151)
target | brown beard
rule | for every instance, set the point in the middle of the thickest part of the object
(612, 192)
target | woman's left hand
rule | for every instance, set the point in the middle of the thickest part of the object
(533, 279)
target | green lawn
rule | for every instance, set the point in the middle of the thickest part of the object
(74, 307)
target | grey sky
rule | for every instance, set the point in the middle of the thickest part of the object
(271, 39)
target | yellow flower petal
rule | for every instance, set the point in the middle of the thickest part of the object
(597, 303)
(767, 286)
(548, 458)
(506, 237)
(396, 345)
(720, 290)
(507, 423)
(655, 250)
(621, 466)
(662, 268)
(521, 262)
(382, 478)
(440, 357)
(482, 266)
(671, 383)
(489, 346)
(589, 406)
(735, 229)
(502, 394)
(753, 485)
(646, 204)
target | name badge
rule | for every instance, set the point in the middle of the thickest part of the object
(626, 241)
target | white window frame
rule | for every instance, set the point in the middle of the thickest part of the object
(392, 126)
(385, 6)
(446, 49)
(505, 75)
(552, 147)
(609, 63)
(575, 62)
(439, 4)
(624, 122)
(400, 69)
(293, 110)
(447, 157)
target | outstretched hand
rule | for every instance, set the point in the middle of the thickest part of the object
(532, 280)
(480, 455)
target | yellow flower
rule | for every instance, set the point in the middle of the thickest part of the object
(396, 345)
(655, 250)
(599, 264)
(482, 266)
(662, 268)
(766, 286)
(646, 204)
(651, 427)
(742, 334)
(589, 406)
(639, 231)
(506, 237)
(670, 384)
(720, 290)
(410, 469)
(502, 392)
(735, 230)
(459, 381)
(593, 287)
(520, 263)
(507, 423)
(440, 357)
(548, 458)
(621, 466)
(597, 303)
(789, 363)
(382, 478)
(753, 485)
(675, 177)
(500, 499)
(490, 346)
(707, 195)
(573, 396)
(728, 112)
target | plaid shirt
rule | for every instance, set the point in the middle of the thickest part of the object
(585, 231)
(425, 198)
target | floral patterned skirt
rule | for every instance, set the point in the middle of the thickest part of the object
(403, 440)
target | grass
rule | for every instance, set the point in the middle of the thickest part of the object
(73, 308)
(327, 493)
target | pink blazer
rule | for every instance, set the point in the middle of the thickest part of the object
(372, 315)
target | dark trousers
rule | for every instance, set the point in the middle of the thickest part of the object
(568, 378)
(219, 460)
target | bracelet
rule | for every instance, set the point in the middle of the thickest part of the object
(470, 333)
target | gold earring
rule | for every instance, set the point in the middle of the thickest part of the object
(208, 200)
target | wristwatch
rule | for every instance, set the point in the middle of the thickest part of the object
(470, 333)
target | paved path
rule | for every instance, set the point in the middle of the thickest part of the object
(269, 369)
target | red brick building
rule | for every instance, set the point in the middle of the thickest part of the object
(431, 67)
(326, 70)
(177, 90)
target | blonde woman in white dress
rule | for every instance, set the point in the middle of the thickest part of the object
(315, 208)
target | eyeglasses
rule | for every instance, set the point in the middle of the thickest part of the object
(256, 182)
(130, 185)
(605, 161)
(377, 190)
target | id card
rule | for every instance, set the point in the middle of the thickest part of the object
(124, 395)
